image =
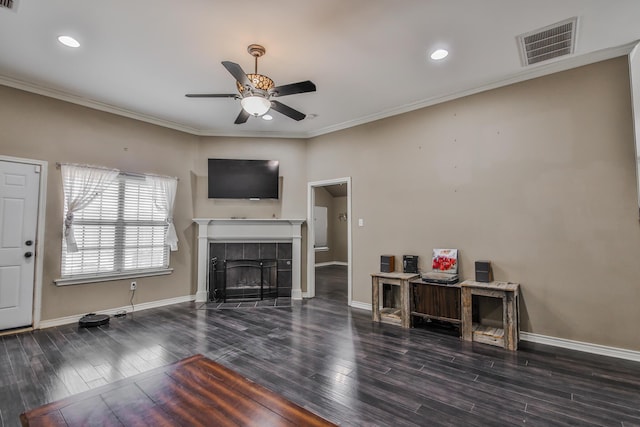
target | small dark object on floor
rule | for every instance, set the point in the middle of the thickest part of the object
(92, 319)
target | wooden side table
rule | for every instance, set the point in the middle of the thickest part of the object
(397, 315)
(506, 337)
(435, 301)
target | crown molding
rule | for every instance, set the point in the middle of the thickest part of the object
(532, 72)
(108, 108)
(90, 103)
(254, 134)
(539, 70)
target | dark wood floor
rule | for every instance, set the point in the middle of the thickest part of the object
(194, 391)
(333, 361)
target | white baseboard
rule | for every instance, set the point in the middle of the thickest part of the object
(138, 307)
(586, 347)
(324, 264)
(602, 350)
(354, 304)
(361, 305)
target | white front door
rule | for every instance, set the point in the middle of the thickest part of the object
(19, 191)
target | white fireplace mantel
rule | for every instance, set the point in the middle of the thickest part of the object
(248, 231)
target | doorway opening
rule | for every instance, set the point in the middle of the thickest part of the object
(329, 237)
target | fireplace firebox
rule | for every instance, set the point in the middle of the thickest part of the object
(248, 279)
(249, 271)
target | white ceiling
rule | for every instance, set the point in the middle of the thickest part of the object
(368, 58)
(336, 190)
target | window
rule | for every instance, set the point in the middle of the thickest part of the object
(120, 232)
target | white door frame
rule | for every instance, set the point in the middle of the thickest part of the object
(39, 247)
(311, 254)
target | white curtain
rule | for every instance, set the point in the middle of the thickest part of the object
(82, 184)
(164, 196)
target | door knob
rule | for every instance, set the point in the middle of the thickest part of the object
(28, 254)
(29, 242)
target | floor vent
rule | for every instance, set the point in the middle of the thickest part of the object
(547, 43)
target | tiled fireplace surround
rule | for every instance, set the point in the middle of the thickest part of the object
(251, 239)
(276, 253)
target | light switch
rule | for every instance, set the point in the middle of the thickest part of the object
(360, 222)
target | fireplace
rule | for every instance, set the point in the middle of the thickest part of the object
(242, 240)
(248, 279)
(249, 271)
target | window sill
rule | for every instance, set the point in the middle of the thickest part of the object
(78, 280)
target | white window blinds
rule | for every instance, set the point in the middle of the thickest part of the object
(122, 230)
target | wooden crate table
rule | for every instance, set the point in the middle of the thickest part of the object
(506, 337)
(397, 315)
(435, 301)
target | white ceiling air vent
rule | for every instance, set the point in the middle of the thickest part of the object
(547, 43)
(8, 4)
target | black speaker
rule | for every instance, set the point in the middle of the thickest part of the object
(410, 263)
(387, 263)
(484, 272)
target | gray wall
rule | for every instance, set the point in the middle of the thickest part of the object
(339, 230)
(539, 177)
(336, 229)
(41, 128)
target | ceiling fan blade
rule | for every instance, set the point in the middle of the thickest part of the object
(237, 72)
(212, 95)
(287, 111)
(242, 117)
(293, 88)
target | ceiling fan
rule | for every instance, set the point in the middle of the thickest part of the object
(256, 90)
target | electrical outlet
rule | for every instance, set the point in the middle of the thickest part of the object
(133, 286)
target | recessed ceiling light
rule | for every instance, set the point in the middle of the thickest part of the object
(68, 41)
(267, 117)
(439, 54)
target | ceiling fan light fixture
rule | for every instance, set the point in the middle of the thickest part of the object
(259, 81)
(255, 105)
(256, 90)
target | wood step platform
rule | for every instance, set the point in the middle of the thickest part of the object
(195, 391)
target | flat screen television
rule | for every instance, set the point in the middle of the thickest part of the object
(243, 179)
